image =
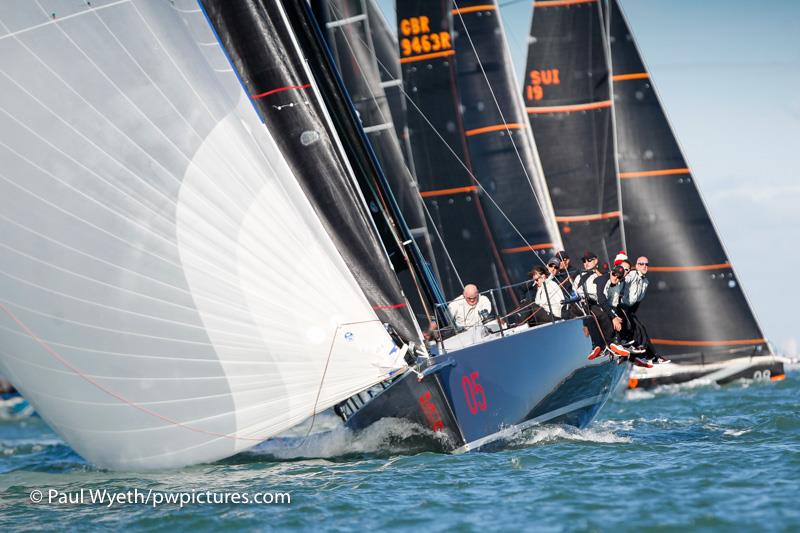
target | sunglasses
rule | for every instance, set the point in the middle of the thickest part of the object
(626, 269)
(470, 298)
(643, 264)
(589, 260)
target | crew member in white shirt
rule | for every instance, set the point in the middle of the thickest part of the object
(470, 308)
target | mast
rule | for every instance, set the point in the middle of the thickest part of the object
(504, 156)
(349, 36)
(568, 94)
(695, 310)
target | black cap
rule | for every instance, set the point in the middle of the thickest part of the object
(588, 256)
(618, 271)
(562, 255)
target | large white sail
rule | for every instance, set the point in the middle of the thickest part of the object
(167, 293)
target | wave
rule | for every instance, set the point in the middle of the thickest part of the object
(388, 436)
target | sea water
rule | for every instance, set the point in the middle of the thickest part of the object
(703, 458)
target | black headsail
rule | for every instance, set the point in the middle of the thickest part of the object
(504, 157)
(454, 112)
(568, 96)
(439, 148)
(289, 99)
(349, 36)
(695, 309)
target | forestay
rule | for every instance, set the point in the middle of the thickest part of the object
(168, 292)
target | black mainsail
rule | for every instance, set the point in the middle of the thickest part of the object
(504, 157)
(696, 310)
(462, 83)
(465, 250)
(568, 96)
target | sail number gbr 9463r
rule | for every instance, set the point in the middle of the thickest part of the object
(417, 39)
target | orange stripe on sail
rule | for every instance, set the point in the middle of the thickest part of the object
(444, 192)
(777, 377)
(568, 108)
(634, 76)
(718, 266)
(588, 218)
(496, 127)
(556, 3)
(427, 56)
(530, 248)
(473, 9)
(737, 342)
(648, 173)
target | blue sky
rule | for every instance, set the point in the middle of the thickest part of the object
(728, 73)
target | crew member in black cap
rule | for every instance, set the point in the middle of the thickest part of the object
(559, 274)
(565, 265)
(584, 281)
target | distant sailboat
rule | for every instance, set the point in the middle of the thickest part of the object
(696, 310)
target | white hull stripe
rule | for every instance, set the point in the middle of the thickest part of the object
(513, 430)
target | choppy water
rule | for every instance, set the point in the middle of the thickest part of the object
(703, 458)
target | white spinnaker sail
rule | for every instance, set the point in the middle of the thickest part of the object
(167, 294)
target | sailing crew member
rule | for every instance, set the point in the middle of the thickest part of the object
(620, 257)
(549, 297)
(607, 314)
(565, 266)
(470, 308)
(636, 284)
(584, 281)
(560, 276)
(587, 291)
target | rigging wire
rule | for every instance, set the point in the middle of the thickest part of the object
(340, 16)
(505, 123)
(485, 192)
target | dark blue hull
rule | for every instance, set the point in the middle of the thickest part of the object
(484, 393)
